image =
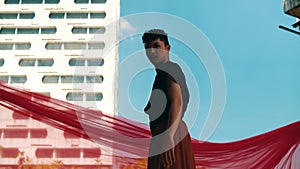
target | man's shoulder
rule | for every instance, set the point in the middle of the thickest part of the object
(173, 66)
(173, 69)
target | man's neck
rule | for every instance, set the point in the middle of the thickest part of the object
(161, 64)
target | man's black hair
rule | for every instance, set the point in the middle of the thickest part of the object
(154, 34)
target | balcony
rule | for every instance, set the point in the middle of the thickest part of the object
(292, 7)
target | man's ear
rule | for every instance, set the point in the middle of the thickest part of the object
(168, 47)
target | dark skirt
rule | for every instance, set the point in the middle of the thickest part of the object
(184, 156)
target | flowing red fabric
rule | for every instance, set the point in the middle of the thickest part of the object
(130, 140)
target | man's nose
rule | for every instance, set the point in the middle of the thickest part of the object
(152, 50)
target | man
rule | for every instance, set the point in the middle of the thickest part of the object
(171, 143)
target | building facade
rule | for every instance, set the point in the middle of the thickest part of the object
(66, 49)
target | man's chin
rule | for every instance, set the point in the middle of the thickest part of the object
(158, 64)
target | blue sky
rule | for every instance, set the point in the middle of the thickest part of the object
(260, 62)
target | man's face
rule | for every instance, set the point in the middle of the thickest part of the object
(157, 52)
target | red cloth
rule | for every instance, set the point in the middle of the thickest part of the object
(275, 149)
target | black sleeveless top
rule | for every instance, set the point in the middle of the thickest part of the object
(159, 103)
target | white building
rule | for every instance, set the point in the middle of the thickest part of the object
(66, 49)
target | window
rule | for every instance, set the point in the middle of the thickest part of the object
(97, 30)
(15, 133)
(60, 152)
(31, 62)
(98, 1)
(83, 30)
(38, 133)
(44, 153)
(79, 30)
(46, 93)
(74, 46)
(96, 45)
(6, 46)
(73, 15)
(67, 153)
(77, 15)
(78, 79)
(76, 62)
(50, 79)
(94, 79)
(57, 15)
(45, 62)
(7, 31)
(4, 78)
(66, 79)
(70, 136)
(1, 62)
(8, 15)
(27, 31)
(27, 62)
(91, 152)
(19, 116)
(53, 46)
(18, 79)
(72, 96)
(98, 15)
(32, 1)
(81, 1)
(22, 46)
(26, 15)
(12, 1)
(72, 79)
(90, 62)
(48, 30)
(9, 152)
(94, 96)
(95, 62)
(52, 1)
